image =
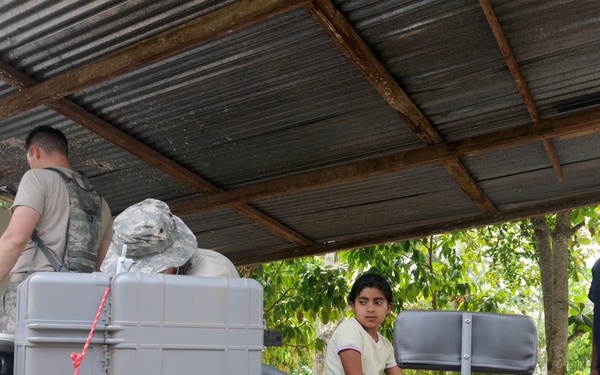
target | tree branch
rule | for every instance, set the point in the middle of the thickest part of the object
(285, 292)
(576, 228)
(575, 335)
(541, 228)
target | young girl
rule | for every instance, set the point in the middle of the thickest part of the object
(357, 347)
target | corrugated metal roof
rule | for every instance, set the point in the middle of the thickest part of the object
(284, 128)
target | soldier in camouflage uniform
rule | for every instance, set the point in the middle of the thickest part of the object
(41, 205)
(158, 241)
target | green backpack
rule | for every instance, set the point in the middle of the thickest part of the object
(83, 230)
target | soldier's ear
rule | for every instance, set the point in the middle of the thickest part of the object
(34, 151)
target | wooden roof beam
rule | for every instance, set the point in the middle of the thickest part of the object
(571, 125)
(348, 40)
(519, 79)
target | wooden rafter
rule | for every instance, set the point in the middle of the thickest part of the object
(578, 124)
(348, 40)
(519, 79)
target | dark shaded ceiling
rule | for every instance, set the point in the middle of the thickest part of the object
(280, 128)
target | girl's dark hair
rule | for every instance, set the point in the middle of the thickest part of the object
(48, 139)
(371, 280)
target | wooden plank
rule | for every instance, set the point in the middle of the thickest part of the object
(553, 156)
(14, 77)
(511, 60)
(576, 124)
(348, 40)
(515, 70)
(271, 224)
(469, 185)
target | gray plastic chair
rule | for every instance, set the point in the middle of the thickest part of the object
(464, 341)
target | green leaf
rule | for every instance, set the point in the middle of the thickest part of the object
(578, 319)
(584, 240)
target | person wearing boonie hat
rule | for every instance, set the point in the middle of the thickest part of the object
(158, 241)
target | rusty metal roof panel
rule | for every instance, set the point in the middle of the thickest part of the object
(46, 38)
(228, 232)
(557, 46)
(283, 96)
(445, 57)
(392, 202)
(510, 161)
(508, 177)
(5, 89)
(578, 149)
(506, 162)
(521, 190)
(288, 101)
(123, 179)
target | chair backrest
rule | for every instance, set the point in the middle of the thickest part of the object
(456, 340)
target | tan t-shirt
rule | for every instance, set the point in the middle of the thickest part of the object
(46, 192)
(210, 263)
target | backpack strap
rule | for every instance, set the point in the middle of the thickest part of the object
(51, 258)
(84, 179)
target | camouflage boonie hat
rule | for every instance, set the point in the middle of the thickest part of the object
(156, 239)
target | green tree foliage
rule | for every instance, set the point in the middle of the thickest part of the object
(489, 269)
(297, 294)
(5, 204)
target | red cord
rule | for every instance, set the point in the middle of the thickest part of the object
(78, 357)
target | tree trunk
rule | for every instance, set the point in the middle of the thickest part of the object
(324, 332)
(553, 250)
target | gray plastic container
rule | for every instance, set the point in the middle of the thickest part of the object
(55, 311)
(151, 324)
